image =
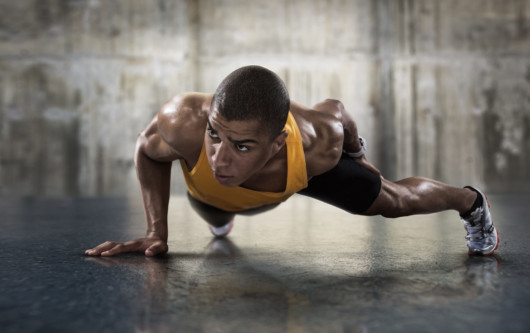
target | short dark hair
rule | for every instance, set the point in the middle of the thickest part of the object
(254, 93)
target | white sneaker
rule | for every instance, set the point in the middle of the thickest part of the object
(222, 231)
(482, 237)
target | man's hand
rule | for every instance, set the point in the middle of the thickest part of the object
(150, 246)
(364, 162)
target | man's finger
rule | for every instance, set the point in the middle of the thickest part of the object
(131, 246)
(156, 248)
(100, 248)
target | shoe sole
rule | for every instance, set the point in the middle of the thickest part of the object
(472, 253)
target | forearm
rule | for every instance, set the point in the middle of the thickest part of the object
(154, 178)
(352, 143)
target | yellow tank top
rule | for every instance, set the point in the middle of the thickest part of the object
(202, 185)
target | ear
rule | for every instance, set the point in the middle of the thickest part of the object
(279, 141)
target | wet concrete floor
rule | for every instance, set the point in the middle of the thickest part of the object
(303, 267)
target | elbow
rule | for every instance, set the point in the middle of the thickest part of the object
(336, 104)
(336, 108)
(334, 101)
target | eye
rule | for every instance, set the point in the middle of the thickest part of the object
(242, 148)
(212, 134)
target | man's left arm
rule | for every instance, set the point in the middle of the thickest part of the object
(352, 143)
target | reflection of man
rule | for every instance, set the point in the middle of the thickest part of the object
(197, 293)
(247, 148)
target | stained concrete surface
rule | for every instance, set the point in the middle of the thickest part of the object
(303, 267)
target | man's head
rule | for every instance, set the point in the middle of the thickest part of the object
(247, 115)
(253, 93)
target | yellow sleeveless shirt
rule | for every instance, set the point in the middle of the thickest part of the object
(202, 185)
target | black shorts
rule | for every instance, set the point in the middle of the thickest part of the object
(348, 186)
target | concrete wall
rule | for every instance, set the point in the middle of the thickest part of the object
(439, 88)
(80, 80)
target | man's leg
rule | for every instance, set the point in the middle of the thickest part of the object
(420, 196)
(351, 187)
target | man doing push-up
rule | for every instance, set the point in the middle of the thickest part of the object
(248, 147)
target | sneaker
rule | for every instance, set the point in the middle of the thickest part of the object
(482, 237)
(222, 231)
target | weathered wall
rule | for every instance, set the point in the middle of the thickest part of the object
(80, 79)
(439, 88)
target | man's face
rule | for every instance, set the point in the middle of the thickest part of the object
(236, 150)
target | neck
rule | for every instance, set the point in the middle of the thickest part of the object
(272, 177)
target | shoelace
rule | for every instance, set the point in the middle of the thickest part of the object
(473, 226)
(474, 232)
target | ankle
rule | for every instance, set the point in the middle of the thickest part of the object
(477, 203)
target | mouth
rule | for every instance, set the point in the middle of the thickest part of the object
(223, 179)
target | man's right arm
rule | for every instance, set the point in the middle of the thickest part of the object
(156, 148)
(152, 158)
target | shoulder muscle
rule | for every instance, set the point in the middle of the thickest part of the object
(177, 131)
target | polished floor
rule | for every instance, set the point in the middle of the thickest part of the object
(303, 267)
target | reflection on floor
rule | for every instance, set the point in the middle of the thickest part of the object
(303, 267)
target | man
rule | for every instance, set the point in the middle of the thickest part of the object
(246, 148)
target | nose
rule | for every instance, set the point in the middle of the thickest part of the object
(221, 157)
